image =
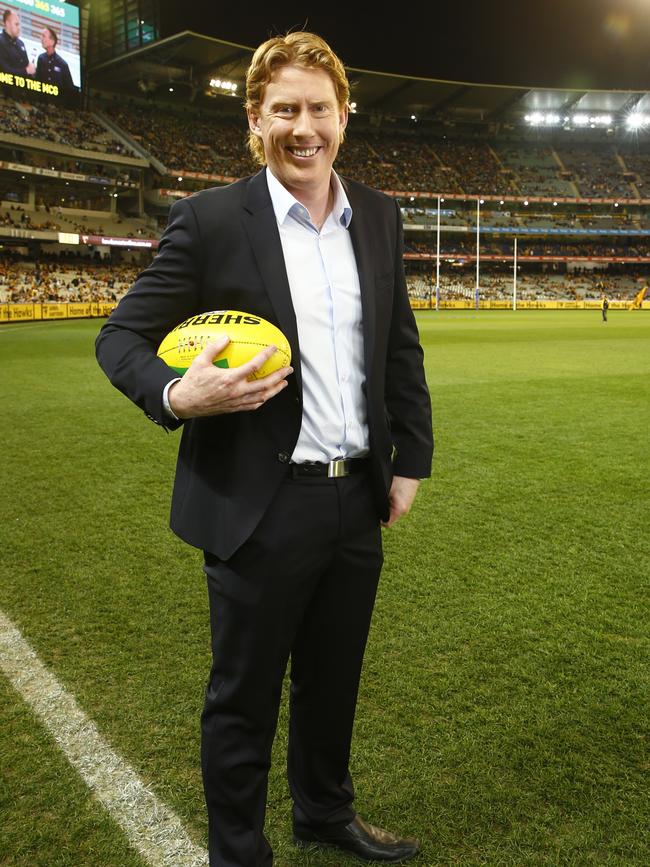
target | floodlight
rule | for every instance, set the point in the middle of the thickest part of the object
(636, 120)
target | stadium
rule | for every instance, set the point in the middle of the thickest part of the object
(503, 711)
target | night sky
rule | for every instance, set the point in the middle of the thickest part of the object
(548, 43)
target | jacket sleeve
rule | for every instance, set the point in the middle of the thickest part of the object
(408, 402)
(167, 292)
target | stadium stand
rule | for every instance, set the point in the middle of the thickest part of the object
(105, 177)
(56, 124)
(535, 169)
(50, 279)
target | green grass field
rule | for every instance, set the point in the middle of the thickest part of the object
(503, 715)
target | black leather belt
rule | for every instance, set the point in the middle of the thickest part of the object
(331, 470)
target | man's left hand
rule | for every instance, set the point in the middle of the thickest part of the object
(401, 496)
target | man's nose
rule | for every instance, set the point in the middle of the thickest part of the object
(303, 125)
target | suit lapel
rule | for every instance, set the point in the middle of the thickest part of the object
(262, 228)
(361, 235)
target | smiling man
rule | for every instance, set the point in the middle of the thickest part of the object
(296, 129)
(284, 482)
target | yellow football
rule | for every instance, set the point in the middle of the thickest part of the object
(248, 335)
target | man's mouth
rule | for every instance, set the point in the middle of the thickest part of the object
(304, 152)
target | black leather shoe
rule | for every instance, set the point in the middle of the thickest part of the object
(360, 839)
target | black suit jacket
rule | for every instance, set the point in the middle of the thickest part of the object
(222, 250)
(13, 55)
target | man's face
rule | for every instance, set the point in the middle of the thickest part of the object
(46, 40)
(300, 124)
(12, 25)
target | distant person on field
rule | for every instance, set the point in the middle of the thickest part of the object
(604, 306)
(13, 54)
(50, 66)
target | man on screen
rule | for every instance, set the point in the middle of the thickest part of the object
(284, 481)
(13, 54)
(50, 66)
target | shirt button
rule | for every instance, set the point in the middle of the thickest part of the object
(284, 457)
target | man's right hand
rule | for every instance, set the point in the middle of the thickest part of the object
(209, 390)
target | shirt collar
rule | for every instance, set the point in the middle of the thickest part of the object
(283, 202)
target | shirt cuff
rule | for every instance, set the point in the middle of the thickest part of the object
(165, 400)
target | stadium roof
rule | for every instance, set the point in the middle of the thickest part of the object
(187, 61)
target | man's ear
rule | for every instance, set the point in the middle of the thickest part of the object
(254, 122)
(343, 117)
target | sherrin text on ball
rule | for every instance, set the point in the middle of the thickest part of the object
(248, 335)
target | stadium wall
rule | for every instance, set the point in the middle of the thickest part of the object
(82, 310)
(470, 304)
(59, 310)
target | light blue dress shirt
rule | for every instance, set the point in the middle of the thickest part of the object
(326, 297)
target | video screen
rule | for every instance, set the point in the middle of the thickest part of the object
(39, 48)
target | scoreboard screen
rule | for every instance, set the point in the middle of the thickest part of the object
(39, 48)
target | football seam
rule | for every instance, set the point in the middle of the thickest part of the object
(242, 343)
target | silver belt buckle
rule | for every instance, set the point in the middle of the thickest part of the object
(336, 469)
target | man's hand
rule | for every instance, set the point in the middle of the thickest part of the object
(209, 390)
(30, 69)
(400, 499)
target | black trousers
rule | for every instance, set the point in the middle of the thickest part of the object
(303, 586)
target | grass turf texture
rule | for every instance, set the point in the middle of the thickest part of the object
(503, 713)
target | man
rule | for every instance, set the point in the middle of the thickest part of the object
(50, 66)
(604, 305)
(13, 55)
(283, 481)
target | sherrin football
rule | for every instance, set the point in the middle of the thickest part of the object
(248, 335)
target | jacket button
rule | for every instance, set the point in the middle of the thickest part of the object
(284, 457)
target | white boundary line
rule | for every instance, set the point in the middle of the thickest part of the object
(151, 827)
